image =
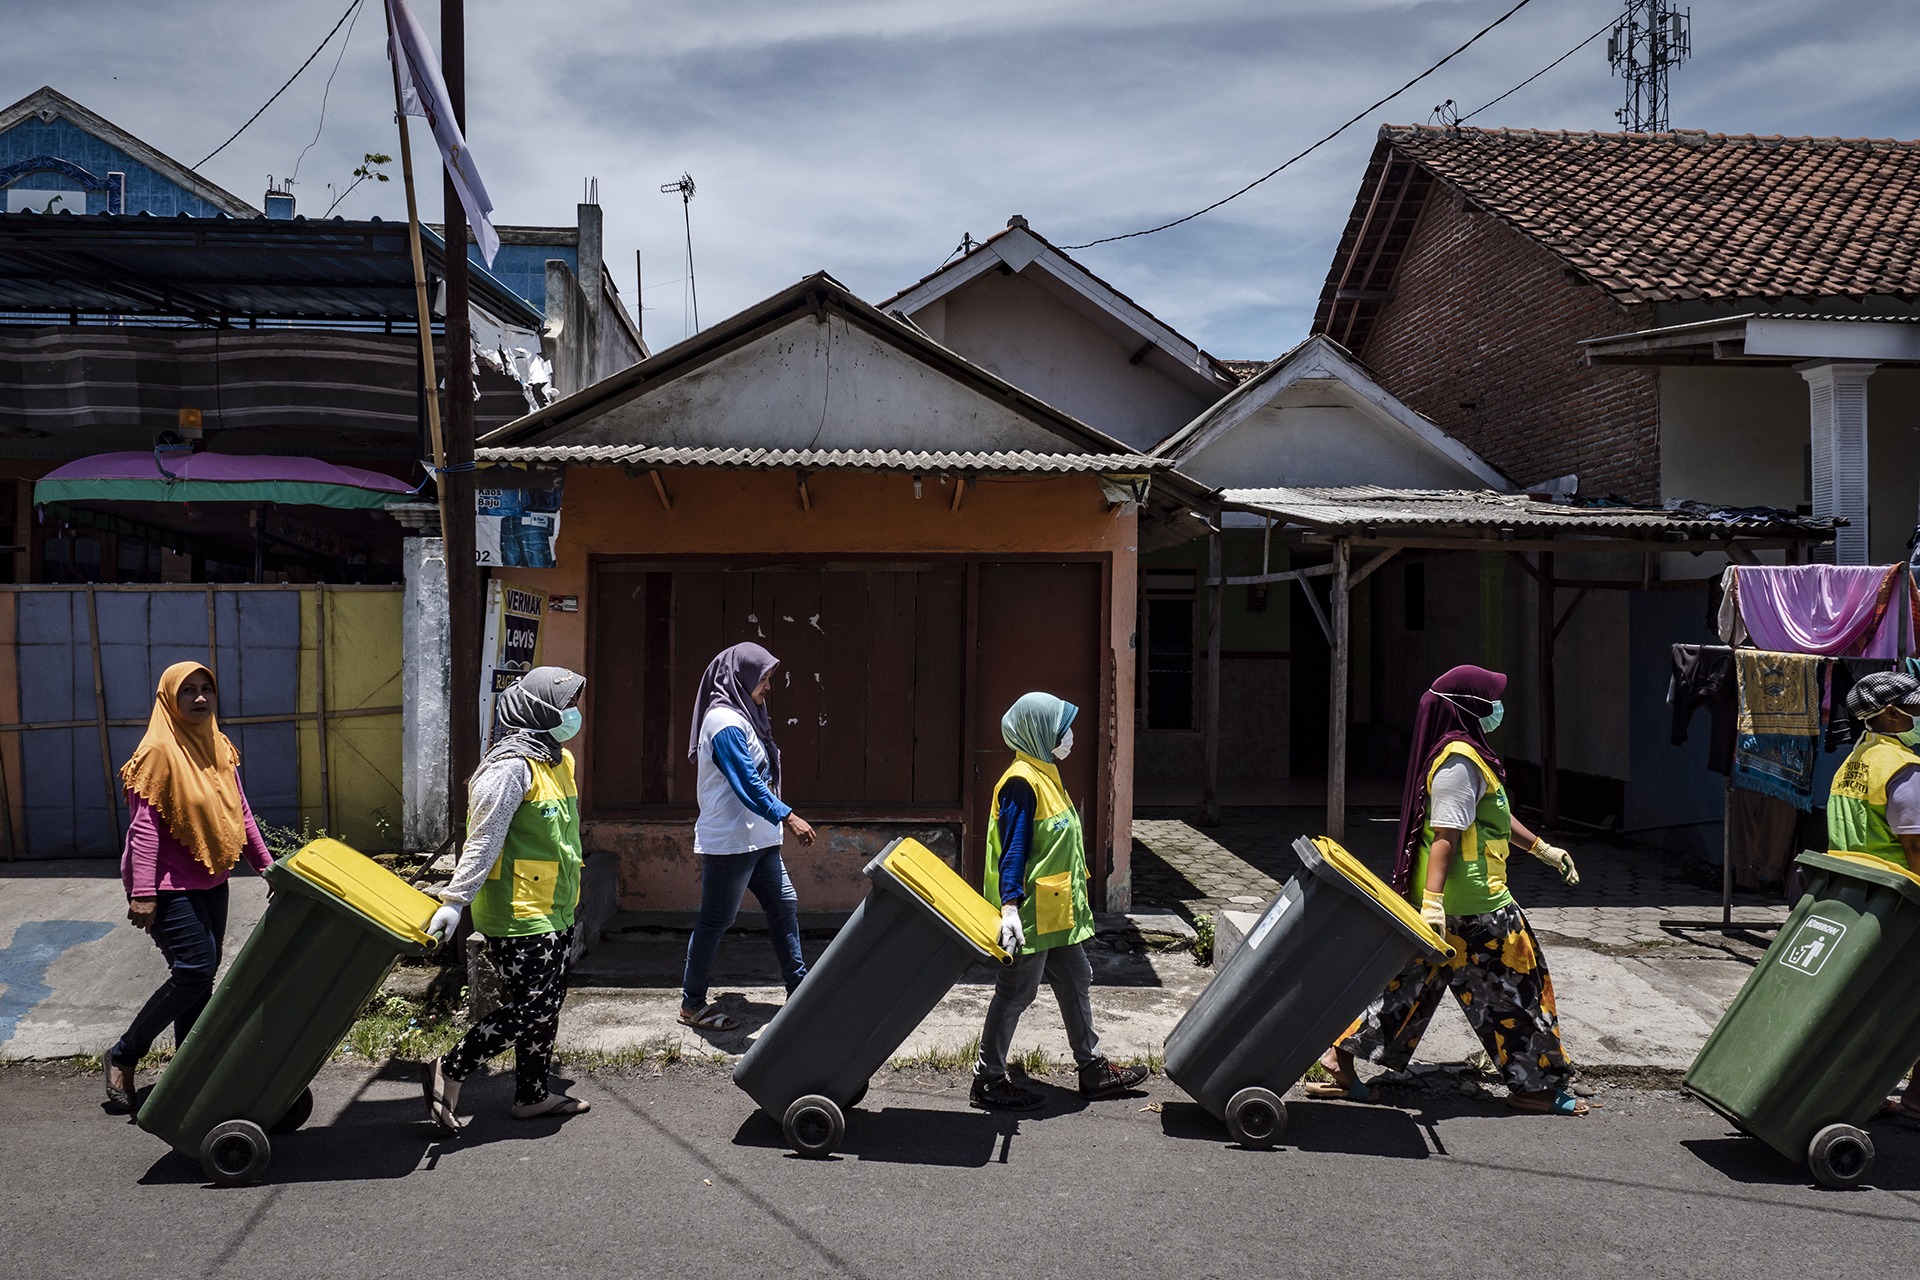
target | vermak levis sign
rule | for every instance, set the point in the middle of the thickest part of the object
(517, 517)
(510, 647)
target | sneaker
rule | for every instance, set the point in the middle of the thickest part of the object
(1101, 1079)
(997, 1093)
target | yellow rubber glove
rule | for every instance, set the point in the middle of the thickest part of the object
(1433, 910)
(1557, 858)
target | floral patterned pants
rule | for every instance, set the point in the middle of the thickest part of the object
(1500, 978)
(534, 971)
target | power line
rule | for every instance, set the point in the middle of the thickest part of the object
(1536, 75)
(283, 88)
(327, 93)
(1355, 119)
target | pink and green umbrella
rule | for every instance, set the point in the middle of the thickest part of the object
(218, 477)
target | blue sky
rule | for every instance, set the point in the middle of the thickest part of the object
(865, 137)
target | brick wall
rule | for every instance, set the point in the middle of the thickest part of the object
(1481, 337)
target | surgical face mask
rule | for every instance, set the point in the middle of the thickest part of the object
(1066, 745)
(569, 725)
(1491, 721)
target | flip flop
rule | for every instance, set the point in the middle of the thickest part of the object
(1355, 1092)
(709, 1019)
(554, 1104)
(433, 1083)
(1561, 1104)
(119, 1100)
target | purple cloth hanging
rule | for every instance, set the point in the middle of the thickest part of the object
(1833, 610)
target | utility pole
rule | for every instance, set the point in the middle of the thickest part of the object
(457, 481)
(1650, 39)
(683, 185)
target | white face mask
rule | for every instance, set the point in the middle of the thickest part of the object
(1066, 745)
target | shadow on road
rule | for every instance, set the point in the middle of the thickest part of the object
(1329, 1127)
(1751, 1162)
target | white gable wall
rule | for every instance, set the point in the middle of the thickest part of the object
(1023, 333)
(1315, 434)
(814, 384)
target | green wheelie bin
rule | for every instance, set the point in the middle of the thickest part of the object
(918, 929)
(1326, 945)
(337, 923)
(1825, 1024)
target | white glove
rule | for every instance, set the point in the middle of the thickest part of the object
(444, 922)
(1012, 936)
(1557, 858)
(1433, 911)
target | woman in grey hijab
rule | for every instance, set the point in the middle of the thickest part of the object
(520, 868)
(741, 826)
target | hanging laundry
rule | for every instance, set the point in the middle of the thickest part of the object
(1830, 609)
(1779, 693)
(1761, 837)
(1703, 676)
(1777, 765)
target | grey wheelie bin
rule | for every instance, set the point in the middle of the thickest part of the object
(337, 924)
(1825, 1024)
(919, 928)
(1323, 949)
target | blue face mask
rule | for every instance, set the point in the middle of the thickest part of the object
(569, 725)
(1491, 721)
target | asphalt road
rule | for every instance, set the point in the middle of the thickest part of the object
(675, 1173)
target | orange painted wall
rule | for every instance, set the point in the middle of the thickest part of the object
(753, 513)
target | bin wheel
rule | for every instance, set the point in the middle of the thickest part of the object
(858, 1094)
(1840, 1156)
(234, 1153)
(814, 1126)
(1255, 1117)
(297, 1114)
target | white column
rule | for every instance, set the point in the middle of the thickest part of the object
(1839, 414)
(426, 697)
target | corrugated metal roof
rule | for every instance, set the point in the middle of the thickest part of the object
(621, 455)
(226, 269)
(1370, 507)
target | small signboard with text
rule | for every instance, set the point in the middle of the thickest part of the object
(510, 646)
(517, 517)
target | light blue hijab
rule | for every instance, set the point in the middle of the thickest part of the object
(1035, 724)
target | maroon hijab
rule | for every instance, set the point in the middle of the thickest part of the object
(1450, 711)
(729, 681)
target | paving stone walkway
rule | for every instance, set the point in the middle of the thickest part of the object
(1629, 897)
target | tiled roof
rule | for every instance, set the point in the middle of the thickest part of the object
(1003, 463)
(1682, 215)
(1375, 509)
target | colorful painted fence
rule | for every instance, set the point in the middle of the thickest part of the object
(309, 681)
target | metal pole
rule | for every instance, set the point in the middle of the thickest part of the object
(1210, 796)
(1337, 694)
(320, 706)
(1549, 720)
(457, 486)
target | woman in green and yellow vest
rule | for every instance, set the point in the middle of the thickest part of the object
(520, 868)
(1874, 807)
(1037, 872)
(1456, 831)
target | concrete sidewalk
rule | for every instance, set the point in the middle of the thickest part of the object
(1634, 993)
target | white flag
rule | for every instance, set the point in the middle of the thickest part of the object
(423, 92)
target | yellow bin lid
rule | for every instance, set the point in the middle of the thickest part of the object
(1872, 863)
(923, 873)
(1363, 882)
(367, 887)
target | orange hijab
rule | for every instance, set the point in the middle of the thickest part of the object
(186, 772)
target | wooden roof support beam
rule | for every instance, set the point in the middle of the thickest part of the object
(660, 487)
(806, 498)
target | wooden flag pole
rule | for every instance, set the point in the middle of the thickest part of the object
(425, 317)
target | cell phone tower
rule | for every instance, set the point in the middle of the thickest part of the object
(1650, 39)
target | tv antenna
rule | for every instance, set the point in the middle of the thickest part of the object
(684, 187)
(1650, 39)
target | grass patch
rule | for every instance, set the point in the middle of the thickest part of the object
(1035, 1062)
(1154, 1060)
(394, 1026)
(1203, 939)
(939, 1058)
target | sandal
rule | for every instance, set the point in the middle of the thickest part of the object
(442, 1094)
(119, 1097)
(554, 1104)
(1561, 1103)
(1355, 1092)
(709, 1019)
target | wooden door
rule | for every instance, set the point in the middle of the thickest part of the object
(1040, 626)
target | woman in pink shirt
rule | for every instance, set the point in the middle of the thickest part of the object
(191, 824)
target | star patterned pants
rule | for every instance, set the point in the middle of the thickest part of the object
(1500, 979)
(534, 971)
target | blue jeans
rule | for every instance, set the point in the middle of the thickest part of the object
(188, 927)
(723, 878)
